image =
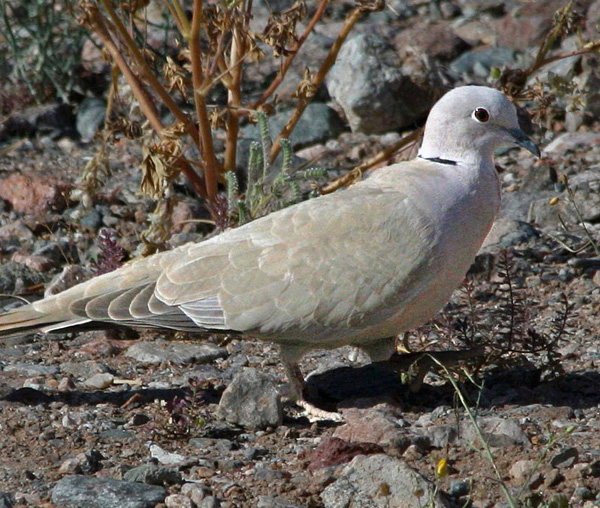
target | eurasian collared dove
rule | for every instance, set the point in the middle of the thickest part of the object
(356, 267)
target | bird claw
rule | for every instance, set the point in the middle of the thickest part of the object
(316, 414)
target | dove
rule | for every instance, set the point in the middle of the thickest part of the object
(356, 267)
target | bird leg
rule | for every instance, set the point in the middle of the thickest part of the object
(289, 359)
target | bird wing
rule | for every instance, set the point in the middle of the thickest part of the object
(332, 263)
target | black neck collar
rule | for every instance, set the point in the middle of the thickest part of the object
(439, 160)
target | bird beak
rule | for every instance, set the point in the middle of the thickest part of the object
(521, 139)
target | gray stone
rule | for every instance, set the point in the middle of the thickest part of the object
(59, 252)
(29, 370)
(210, 502)
(441, 436)
(99, 381)
(572, 141)
(368, 83)
(381, 481)
(180, 353)
(116, 434)
(459, 488)
(84, 369)
(251, 401)
(17, 277)
(272, 502)
(5, 500)
(565, 458)
(498, 432)
(91, 492)
(90, 117)
(153, 475)
(479, 62)
(317, 124)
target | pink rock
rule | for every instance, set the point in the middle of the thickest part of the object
(31, 194)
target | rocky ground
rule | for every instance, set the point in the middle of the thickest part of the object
(148, 419)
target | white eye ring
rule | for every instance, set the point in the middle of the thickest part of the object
(481, 115)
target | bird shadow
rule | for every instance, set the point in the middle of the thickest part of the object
(367, 386)
(375, 383)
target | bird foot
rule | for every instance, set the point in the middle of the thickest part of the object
(316, 414)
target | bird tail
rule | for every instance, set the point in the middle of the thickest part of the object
(42, 316)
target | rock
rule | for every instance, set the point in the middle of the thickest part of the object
(565, 458)
(33, 194)
(180, 353)
(318, 123)
(371, 88)
(165, 457)
(333, 451)
(195, 491)
(178, 501)
(440, 436)
(90, 117)
(36, 263)
(571, 141)
(59, 252)
(459, 488)
(99, 381)
(381, 481)
(91, 492)
(30, 370)
(374, 425)
(272, 502)
(5, 500)
(585, 187)
(521, 469)
(55, 120)
(14, 234)
(16, 278)
(526, 25)
(479, 62)
(251, 401)
(436, 40)
(210, 502)
(498, 432)
(152, 474)
(84, 369)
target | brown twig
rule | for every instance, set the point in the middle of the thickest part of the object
(204, 136)
(234, 99)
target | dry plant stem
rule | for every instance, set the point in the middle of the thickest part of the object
(317, 80)
(382, 156)
(294, 51)
(142, 96)
(550, 39)
(204, 137)
(234, 99)
(153, 81)
(180, 18)
(146, 105)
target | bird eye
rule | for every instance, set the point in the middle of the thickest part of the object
(482, 115)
